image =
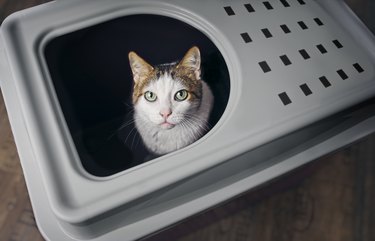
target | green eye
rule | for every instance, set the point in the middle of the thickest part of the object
(181, 95)
(150, 96)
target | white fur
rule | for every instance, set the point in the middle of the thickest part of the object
(190, 120)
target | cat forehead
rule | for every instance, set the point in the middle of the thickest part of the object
(168, 77)
(165, 82)
(184, 76)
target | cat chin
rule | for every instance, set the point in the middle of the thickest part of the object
(166, 126)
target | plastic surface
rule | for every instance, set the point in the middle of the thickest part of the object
(276, 90)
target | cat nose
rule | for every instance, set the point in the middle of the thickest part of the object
(165, 113)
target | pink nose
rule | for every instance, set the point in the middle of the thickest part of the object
(165, 113)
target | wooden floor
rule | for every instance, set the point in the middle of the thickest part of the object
(331, 199)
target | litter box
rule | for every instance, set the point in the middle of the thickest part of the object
(293, 80)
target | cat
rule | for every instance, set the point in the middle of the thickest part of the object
(172, 104)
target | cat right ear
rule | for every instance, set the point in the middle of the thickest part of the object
(140, 68)
(192, 61)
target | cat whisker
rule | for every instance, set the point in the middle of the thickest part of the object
(202, 123)
(135, 134)
(129, 134)
(139, 138)
(127, 105)
(203, 127)
(126, 139)
(126, 124)
(189, 126)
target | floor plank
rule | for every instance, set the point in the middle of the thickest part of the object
(325, 205)
(17, 221)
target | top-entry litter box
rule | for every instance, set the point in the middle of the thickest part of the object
(292, 80)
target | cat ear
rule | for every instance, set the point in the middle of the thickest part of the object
(192, 61)
(140, 68)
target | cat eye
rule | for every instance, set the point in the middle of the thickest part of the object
(150, 96)
(181, 95)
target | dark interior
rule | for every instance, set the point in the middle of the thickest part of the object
(91, 75)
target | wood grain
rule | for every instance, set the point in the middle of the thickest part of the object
(330, 199)
(16, 217)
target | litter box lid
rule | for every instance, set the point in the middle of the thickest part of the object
(290, 65)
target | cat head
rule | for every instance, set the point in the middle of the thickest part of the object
(167, 95)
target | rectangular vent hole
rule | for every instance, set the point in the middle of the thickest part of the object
(285, 3)
(264, 66)
(302, 25)
(285, 98)
(302, 2)
(321, 49)
(337, 43)
(266, 33)
(342, 74)
(285, 60)
(229, 10)
(325, 81)
(318, 21)
(305, 89)
(285, 28)
(358, 68)
(249, 8)
(304, 54)
(268, 5)
(246, 37)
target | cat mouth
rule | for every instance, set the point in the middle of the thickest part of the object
(167, 125)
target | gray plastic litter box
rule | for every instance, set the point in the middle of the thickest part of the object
(295, 81)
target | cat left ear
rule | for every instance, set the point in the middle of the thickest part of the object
(140, 68)
(192, 61)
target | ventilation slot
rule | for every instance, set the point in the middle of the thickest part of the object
(305, 89)
(318, 21)
(285, 3)
(321, 49)
(301, 2)
(285, 98)
(285, 60)
(358, 68)
(264, 66)
(229, 11)
(302, 25)
(266, 33)
(325, 81)
(342, 74)
(285, 28)
(246, 38)
(337, 43)
(249, 8)
(304, 54)
(268, 5)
